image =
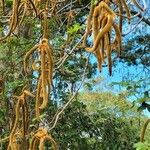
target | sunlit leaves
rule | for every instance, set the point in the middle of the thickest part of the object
(74, 29)
(142, 146)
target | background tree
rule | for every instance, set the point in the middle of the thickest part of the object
(27, 23)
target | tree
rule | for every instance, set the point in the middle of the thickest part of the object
(42, 42)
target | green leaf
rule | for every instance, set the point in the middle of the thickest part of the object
(142, 146)
(74, 29)
(94, 2)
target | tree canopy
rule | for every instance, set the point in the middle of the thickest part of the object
(46, 58)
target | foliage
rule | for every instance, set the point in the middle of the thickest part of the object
(98, 130)
(137, 92)
(42, 55)
(142, 146)
(136, 52)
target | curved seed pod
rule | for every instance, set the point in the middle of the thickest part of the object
(95, 22)
(45, 25)
(43, 79)
(102, 41)
(103, 32)
(24, 113)
(118, 38)
(2, 4)
(54, 144)
(38, 99)
(88, 26)
(21, 6)
(26, 117)
(27, 55)
(95, 33)
(26, 3)
(49, 72)
(42, 132)
(102, 44)
(41, 145)
(105, 6)
(24, 12)
(99, 59)
(12, 134)
(21, 104)
(14, 19)
(34, 7)
(9, 147)
(120, 14)
(14, 145)
(46, 70)
(108, 53)
(34, 65)
(1, 86)
(49, 60)
(40, 136)
(37, 3)
(50, 64)
(126, 9)
(33, 143)
(144, 130)
(89, 49)
(53, 6)
(28, 93)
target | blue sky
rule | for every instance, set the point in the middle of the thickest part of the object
(123, 72)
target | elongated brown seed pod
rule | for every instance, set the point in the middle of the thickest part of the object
(41, 145)
(108, 53)
(120, 14)
(118, 38)
(37, 103)
(126, 9)
(27, 55)
(103, 32)
(54, 144)
(43, 78)
(14, 19)
(144, 130)
(89, 24)
(12, 134)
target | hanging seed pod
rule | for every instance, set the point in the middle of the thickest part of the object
(2, 85)
(39, 139)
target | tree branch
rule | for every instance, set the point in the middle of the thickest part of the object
(147, 21)
(70, 100)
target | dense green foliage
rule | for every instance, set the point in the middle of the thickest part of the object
(94, 120)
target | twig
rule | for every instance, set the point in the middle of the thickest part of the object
(68, 54)
(147, 21)
(65, 7)
(133, 28)
(143, 130)
(5, 139)
(70, 100)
